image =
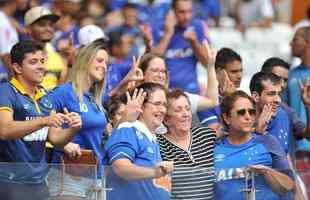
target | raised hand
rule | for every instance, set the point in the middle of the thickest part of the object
(209, 53)
(134, 104)
(135, 74)
(264, 118)
(146, 32)
(170, 22)
(227, 86)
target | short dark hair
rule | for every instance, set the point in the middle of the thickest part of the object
(149, 88)
(115, 38)
(228, 101)
(174, 3)
(129, 5)
(114, 104)
(20, 49)
(175, 94)
(224, 56)
(256, 83)
(272, 62)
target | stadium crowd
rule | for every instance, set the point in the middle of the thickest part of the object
(144, 94)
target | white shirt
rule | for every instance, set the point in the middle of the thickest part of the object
(255, 10)
(8, 34)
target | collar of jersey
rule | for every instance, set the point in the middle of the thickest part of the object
(39, 93)
(141, 127)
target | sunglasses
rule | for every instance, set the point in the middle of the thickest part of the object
(251, 112)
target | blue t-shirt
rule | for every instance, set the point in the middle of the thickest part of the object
(133, 141)
(179, 56)
(300, 73)
(25, 156)
(93, 119)
(279, 127)
(117, 72)
(231, 161)
(296, 127)
(153, 14)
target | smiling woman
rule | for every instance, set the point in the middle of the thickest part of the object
(190, 149)
(82, 95)
(133, 152)
(242, 151)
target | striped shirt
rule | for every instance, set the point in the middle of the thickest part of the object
(193, 175)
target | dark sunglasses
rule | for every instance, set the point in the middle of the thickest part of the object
(241, 112)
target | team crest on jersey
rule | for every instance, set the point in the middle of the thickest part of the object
(47, 104)
(26, 106)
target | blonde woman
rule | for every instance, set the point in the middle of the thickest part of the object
(82, 94)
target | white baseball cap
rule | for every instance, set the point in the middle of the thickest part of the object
(90, 33)
(39, 12)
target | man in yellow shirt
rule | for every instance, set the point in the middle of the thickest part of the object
(40, 26)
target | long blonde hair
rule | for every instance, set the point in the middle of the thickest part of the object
(80, 71)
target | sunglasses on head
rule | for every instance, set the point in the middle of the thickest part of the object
(251, 111)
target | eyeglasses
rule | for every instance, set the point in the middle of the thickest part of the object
(154, 70)
(251, 112)
(157, 103)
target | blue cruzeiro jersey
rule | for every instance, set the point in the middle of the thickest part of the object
(231, 161)
(134, 141)
(179, 56)
(93, 119)
(210, 116)
(29, 151)
(279, 127)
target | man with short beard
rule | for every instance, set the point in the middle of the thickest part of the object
(40, 27)
(271, 118)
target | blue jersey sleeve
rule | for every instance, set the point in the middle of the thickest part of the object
(278, 155)
(7, 100)
(58, 97)
(297, 125)
(201, 29)
(121, 144)
(209, 116)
